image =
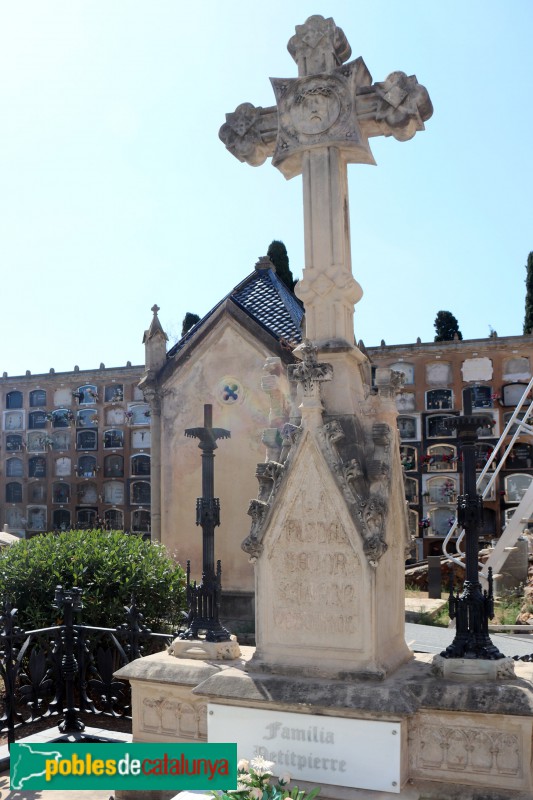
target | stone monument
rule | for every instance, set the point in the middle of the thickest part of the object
(330, 527)
(332, 693)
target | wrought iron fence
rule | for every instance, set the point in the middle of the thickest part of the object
(66, 670)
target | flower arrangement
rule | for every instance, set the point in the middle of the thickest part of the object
(254, 783)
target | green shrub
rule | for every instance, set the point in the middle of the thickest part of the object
(109, 566)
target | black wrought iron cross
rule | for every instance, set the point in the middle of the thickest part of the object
(204, 600)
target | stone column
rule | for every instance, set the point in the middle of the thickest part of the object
(151, 395)
(328, 289)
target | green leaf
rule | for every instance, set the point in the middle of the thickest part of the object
(107, 566)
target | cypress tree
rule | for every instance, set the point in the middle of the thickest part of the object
(188, 321)
(446, 327)
(528, 319)
(277, 253)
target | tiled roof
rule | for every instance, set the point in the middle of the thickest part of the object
(266, 299)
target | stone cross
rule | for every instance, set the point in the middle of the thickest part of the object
(322, 122)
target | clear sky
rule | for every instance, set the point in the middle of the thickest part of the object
(116, 193)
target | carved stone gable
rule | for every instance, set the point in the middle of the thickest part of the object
(313, 567)
(359, 456)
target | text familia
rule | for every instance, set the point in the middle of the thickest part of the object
(288, 758)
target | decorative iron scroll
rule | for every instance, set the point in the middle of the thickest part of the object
(66, 670)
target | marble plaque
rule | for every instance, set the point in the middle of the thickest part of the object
(359, 753)
(438, 373)
(477, 369)
(516, 369)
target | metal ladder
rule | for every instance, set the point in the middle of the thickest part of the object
(524, 509)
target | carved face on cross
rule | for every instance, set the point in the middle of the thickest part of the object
(315, 110)
(396, 107)
(322, 122)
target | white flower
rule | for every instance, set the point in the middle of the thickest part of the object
(285, 778)
(261, 766)
(256, 793)
(241, 787)
(243, 765)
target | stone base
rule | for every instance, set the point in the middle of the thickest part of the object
(200, 649)
(461, 739)
(473, 670)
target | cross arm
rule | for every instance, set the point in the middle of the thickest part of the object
(207, 436)
(397, 106)
(249, 133)
(195, 433)
(220, 433)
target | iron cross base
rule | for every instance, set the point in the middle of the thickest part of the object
(203, 603)
(204, 629)
(472, 611)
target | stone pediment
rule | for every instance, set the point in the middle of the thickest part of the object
(311, 558)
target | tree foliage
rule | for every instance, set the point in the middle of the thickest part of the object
(528, 319)
(446, 327)
(109, 566)
(277, 253)
(189, 320)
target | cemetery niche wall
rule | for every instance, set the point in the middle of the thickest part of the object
(63, 435)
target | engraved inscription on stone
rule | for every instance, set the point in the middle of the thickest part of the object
(316, 574)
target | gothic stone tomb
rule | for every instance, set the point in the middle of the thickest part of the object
(329, 525)
(329, 535)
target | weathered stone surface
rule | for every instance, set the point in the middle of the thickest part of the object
(314, 579)
(160, 668)
(201, 649)
(230, 345)
(329, 533)
(493, 751)
(473, 669)
(431, 790)
(291, 692)
(514, 697)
